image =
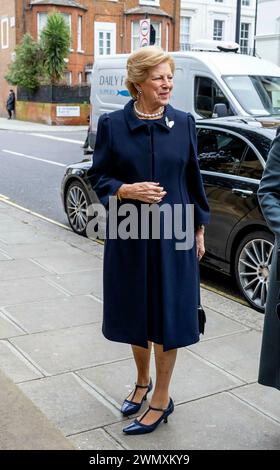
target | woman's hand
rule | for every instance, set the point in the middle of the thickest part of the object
(200, 247)
(147, 191)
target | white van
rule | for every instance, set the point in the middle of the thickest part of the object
(207, 84)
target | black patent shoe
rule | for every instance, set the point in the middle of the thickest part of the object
(129, 407)
(138, 428)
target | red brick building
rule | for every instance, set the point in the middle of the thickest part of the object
(97, 28)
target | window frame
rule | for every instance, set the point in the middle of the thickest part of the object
(215, 37)
(80, 34)
(104, 27)
(5, 45)
(202, 126)
(187, 34)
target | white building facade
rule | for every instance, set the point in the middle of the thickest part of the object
(216, 20)
(268, 30)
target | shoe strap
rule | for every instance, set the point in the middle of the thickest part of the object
(142, 386)
(157, 409)
(151, 408)
(135, 389)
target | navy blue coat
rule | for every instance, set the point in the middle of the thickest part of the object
(127, 151)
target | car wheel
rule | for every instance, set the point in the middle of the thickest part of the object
(252, 267)
(76, 204)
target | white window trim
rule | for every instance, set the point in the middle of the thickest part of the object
(167, 37)
(224, 28)
(80, 46)
(153, 3)
(105, 27)
(5, 45)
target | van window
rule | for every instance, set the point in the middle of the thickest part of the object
(219, 151)
(258, 95)
(207, 94)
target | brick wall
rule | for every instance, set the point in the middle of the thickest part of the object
(8, 30)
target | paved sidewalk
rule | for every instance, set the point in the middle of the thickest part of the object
(26, 126)
(52, 350)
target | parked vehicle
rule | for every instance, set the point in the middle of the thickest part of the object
(207, 84)
(232, 152)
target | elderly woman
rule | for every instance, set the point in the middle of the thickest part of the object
(146, 155)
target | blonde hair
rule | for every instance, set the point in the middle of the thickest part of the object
(139, 63)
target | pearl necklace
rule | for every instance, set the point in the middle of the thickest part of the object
(148, 115)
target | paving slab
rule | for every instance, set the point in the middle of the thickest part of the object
(23, 426)
(70, 349)
(98, 439)
(219, 325)
(232, 309)
(9, 224)
(8, 328)
(20, 269)
(70, 403)
(237, 353)
(265, 399)
(219, 422)
(4, 256)
(34, 250)
(26, 236)
(83, 282)
(27, 290)
(55, 314)
(64, 263)
(192, 378)
(15, 365)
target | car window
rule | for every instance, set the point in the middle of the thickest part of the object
(251, 166)
(207, 94)
(220, 151)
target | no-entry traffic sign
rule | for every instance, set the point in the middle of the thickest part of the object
(144, 31)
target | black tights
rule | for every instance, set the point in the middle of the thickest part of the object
(10, 113)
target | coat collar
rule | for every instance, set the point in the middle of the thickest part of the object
(134, 122)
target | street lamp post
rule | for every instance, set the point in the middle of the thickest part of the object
(237, 24)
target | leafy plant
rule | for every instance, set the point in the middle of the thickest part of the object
(27, 68)
(55, 43)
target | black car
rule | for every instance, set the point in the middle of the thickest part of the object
(232, 153)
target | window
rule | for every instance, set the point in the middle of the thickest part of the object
(251, 166)
(67, 18)
(207, 94)
(68, 78)
(246, 3)
(88, 77)
(41, 23)
(135, 34)
(220, 151)
(244, 38)
(5, 33)
(80, 78)
(167, 37)
(185, 24)
(79, 41)
(259, 95)
(218, 30)
(219, 1)
(105, 38)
